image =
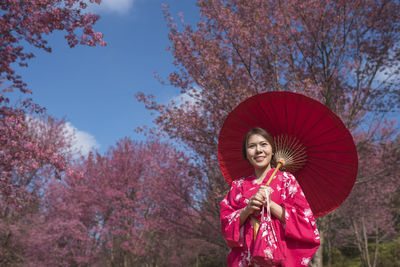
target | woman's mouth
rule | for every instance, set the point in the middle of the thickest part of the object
(259, 159)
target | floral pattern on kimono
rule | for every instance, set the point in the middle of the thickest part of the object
(298, 235)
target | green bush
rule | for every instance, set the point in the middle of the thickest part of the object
(389, 254)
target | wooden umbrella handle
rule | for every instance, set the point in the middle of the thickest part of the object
(281, 162)
(256, 225)
(254, 221)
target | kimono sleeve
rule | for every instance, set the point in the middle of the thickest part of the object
(230, 216)
(300, 223)
(301, 233)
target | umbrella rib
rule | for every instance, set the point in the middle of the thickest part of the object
(328, 181)
(324, 132)
(296, 113)
(260, 107)
(313, 106)
(316, 188)
(332, 142)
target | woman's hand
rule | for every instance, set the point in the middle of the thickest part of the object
(255, 202)
(258, 199)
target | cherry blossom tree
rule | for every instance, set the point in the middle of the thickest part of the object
(25, 24)
(370, 209)
(32, 150)
(344, 54)
(124, 208)
(34, 147)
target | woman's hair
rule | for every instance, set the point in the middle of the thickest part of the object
(264, 134)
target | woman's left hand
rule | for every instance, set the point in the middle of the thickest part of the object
(266, 191)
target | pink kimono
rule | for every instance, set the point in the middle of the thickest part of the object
(298, 236)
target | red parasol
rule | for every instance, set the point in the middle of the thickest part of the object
(325, 157)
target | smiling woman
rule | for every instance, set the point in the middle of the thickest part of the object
(287, 235)
(258, 149)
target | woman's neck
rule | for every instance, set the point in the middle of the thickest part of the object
(261, 173)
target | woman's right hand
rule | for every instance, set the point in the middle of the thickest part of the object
(257, 200)
(255, 203)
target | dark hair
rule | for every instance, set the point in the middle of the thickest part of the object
(263, 133)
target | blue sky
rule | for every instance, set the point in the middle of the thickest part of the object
(93, 88)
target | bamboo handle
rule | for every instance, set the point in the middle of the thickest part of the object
(281, 162)
(254, 221)
(256, 225)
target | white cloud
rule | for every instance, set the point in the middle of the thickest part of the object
(111, 6)
(81, 141)
(388, 75)
(187, 97)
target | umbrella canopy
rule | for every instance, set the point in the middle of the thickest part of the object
(329, 162)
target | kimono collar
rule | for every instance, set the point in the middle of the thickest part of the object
(255, 186)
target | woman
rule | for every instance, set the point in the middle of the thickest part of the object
(292, 218)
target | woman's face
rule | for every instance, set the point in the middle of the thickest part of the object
(259, 151)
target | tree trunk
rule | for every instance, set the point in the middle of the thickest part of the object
(376, 245)
(366, 253)
(318, 257)
(362, 242)
(322, 223)
(125, 260)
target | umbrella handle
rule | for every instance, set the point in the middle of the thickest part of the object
(281, 162)
(254, 221)
(256, 225)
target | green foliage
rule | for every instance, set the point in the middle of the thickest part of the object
(389, 254)
(205, 261)
(344, 256)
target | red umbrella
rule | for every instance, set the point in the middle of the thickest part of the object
(325, 158)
